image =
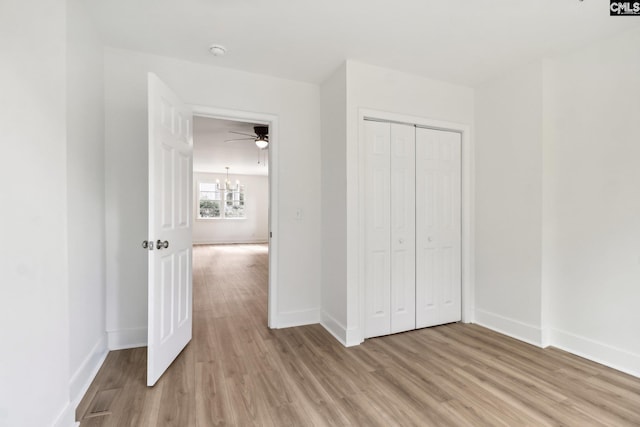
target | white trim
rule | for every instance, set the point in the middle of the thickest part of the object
(67, 417)
(87, 371)
(346, 337)
(122, 339)
(298, 318)
(272, 121)
(354, 336)
(334, 327)
(510, 327)
(467, 203)
(616, 358)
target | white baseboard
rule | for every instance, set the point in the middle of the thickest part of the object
(354, 337)
(80, 382)
(67, 417)
(127, 338)
(604, 354)
(510, 327)
(334, 327)
(346, 337)
(298, 318)
(225, 242)
(86, 372)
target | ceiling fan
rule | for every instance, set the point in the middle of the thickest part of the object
(261, 136)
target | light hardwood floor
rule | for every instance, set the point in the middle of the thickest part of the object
(237, 372)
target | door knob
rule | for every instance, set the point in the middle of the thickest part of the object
(162, 245)
(147, 245)
(401, 241)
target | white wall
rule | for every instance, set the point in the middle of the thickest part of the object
(34, 295)
(85, 193)
(558, 202)
(254, 228)
(297, 107)
(334, 198)
(508, 166)
(595, 285)
(375, 88)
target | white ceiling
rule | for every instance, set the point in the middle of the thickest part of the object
(212, 154)
(460, 41)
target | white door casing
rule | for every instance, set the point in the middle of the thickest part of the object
(271, 121)
(170, 220)
(438, 227)
(378, 227)
(403, 255)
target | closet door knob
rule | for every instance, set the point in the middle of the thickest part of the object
(162, 245)
(401, 241)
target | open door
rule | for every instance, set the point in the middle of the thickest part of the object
(170, 221)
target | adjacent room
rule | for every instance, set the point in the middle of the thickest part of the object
(320, 213)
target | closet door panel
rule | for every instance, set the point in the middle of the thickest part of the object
(402, 159)
(377, 229)
(450, 232)
(438, 228)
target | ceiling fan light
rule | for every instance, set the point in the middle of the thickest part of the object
(262, 143)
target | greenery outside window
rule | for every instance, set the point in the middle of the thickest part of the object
(216, 201)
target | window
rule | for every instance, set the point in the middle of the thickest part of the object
(210, 200)
(215, 201)
(234, 203)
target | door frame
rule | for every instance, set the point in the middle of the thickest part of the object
(271, 121)
(467, 203)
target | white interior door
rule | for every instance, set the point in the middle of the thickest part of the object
(378, 229)
(438, 228)
(170, 183)
(403, 254)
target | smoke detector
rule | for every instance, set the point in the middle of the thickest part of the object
(217, 50)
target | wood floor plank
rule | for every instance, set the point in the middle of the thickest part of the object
(238, 372)
(177, 404)
(213, 404)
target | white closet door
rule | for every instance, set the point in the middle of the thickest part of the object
(403, 254)
(377, 229)
(438, 233)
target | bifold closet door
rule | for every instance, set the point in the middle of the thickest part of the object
(403, 228)
(438, 227)
(389, 228)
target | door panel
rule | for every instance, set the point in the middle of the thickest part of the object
(438, 227)
(170, 181)
(378, 230)
(403, 316)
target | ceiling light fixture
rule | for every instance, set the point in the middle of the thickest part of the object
(261, 136)
(227, 183)
(217, 50)
(262, 142)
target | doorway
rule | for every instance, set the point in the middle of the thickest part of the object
(244, 196)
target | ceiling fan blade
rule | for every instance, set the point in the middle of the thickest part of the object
(242, 133)
(239, 139)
